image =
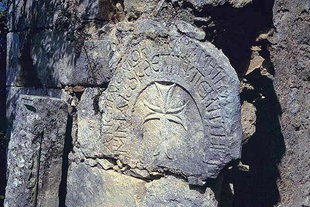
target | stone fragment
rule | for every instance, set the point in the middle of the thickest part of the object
(172, 105)
(35, 152)
(248, 120)
(255, 63)
(92, 187)
(190, 30)
(200, 3)
(239, 3)
(88, 123)
(140, 6)
(105, 164)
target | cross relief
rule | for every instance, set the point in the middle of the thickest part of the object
(165, 112)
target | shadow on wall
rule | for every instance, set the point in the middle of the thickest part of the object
(236, 31)
(265, 149)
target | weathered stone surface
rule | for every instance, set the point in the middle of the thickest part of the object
(94, 63)
(88, 122)
(190, 30)
(95, 9)
(13, 94)
(172, 107)
(25, 14)
(170, 192)
(235, 3)
(239, 3)
(13, 67)
(248, 119)
(56, 13)
(90, 186)
(201, 3)
(49, 58)
(53, 57)
(140, 6)
(290, 55)
(35, 152)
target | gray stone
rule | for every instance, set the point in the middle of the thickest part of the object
(171, 192)
(13, 94)
(96, 187)
(235, 3)
(140, 6)
(53, 58)
(26, 14)
(88, 123)
(93, 187)
(93, 63)
(50, 59)
(95, 9)
(290, 56)
(172, 107)
(35, 152)
(60, 14)
(239, 3)
(200, 3)
(190, 30)
(13, 68)
(248, 120)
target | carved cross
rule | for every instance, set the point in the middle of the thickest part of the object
(165, 112)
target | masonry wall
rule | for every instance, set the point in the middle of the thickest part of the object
(63, 48)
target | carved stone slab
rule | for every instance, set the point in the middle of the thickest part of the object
(35, 152)
(173, 105)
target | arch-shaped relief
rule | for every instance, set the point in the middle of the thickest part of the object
(173, 106)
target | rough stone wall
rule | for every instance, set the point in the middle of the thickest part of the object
(69, 49)
(290, 55)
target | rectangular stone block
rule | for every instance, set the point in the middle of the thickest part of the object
(56, 13)
(25, 14)
(35, 152)
(59, 61)
(13, 94)
(50, 59)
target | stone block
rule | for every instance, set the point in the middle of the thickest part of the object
(172, 107)
(88, 123)
(92, 187)
(35, 152)
(32, 14)
(56, 13)
(50, 59)
(13, 94)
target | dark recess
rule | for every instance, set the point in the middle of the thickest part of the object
(68, 147)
